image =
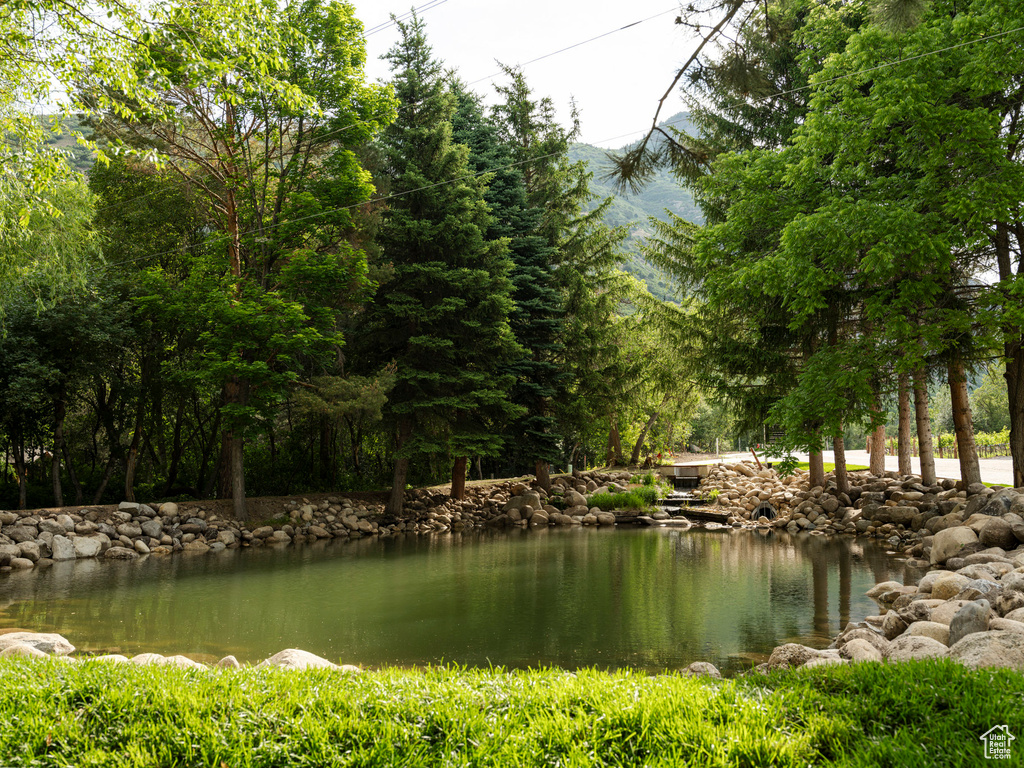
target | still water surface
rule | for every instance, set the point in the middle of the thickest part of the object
(649, 599)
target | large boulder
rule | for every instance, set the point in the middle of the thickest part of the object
(30, 550)
(22, 649)
(62, 548)
(529, 499)
(950, 541)
(997, 533)
(973, 617)
(1006, 625)
(860, 650)
(895, 515)
(87, 546)
(121, 553)
(294, 658)
(155, 659)
(990, 649)
(949, 585)
(794, 655)
(945, 612)
(893, 625)
(574, 499)
(911, 647)
(8, 552)
(942, 522)
(702, 669)
(869, 636)
(933, 629)
(20, 533)
(882, 588)
(46, 642)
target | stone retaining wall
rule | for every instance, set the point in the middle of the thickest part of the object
(36, 538)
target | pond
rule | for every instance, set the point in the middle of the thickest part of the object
(645, 598)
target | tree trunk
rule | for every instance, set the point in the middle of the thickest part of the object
(59, 412)
(842, 476)
(238, 478)
(224, 465)
(634, 457)
(970, 469)
(21, 468)
(397, 498)
(924, 428)
(133, 453)
(877, 459)
(235, 392)
(614, 442)
(459, 478)
(72, 475)
(817, 469)
(107, 472)
(1014, 351)
(543, 472)
(204, 484)
(324, 458)
(176, 449)
(903, 438)
(479, 469)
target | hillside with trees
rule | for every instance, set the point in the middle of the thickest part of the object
(659, 197)
(292, 279)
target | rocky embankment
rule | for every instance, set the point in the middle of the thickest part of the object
(899, 509)
(40, 645)
(968, 544)
(30, 539)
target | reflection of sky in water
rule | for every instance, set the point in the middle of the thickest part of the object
(644, 598)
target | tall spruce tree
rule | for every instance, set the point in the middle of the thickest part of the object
(443, 315)
(535, 319)
(548, 268)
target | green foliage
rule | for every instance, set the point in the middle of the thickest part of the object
(644, 497)
(100, 714)
(443, 315)
(55, 246)
(990, 407)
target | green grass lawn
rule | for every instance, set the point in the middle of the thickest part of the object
(830, 467)
(56, 713)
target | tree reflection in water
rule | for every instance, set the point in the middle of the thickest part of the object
(645, 598)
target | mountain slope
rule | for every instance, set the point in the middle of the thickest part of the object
(661, 194)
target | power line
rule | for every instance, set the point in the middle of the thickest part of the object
(883, 65)
(466, 177)
(584, 42)
(402, 17)
(428, 6)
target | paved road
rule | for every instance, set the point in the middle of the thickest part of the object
(993, 470)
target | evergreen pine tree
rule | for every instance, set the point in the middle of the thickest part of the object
(536, 316)
(443, 315)
(556, 189)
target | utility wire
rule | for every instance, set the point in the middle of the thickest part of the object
(429, 6)
(466, 177)
(392, 21)
(584, 42)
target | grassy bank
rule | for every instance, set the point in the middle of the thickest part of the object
(57, 713)
(830, 467)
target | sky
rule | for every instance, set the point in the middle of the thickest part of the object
(616, 81)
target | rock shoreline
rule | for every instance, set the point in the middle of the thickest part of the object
(41, 645)
(30, 539)
(968, 607)
(967, 544)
